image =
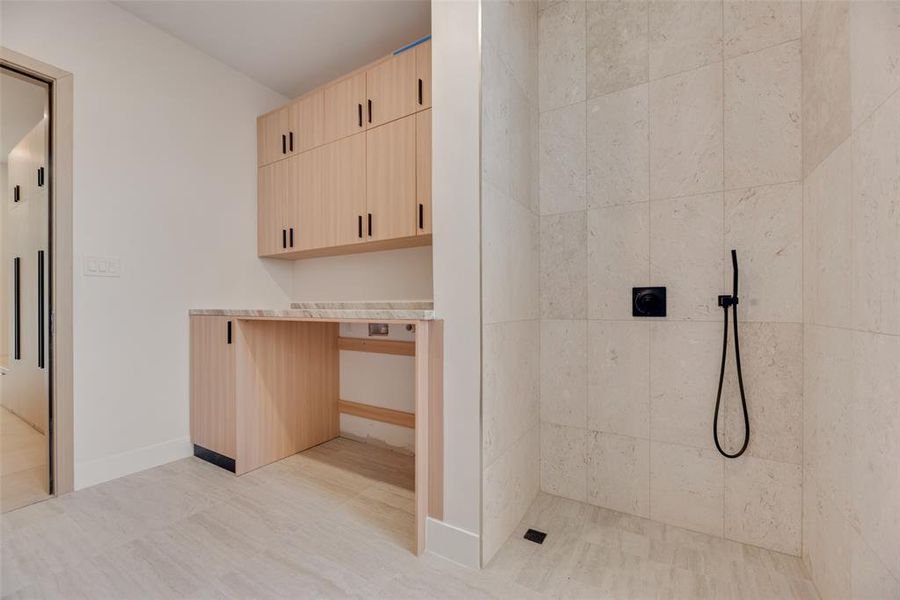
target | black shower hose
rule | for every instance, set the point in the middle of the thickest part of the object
(725, 302)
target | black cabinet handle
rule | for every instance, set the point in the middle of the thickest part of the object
(40, 176)
(40, 307)
(370, 224)
(284, 238)
(370, 110)
(359, 112)
(17, 195)
(291, 141)
(359, 221)
(283, 144)
(421, 216)
(17, 308)
(291, 243)
(228, 332)
(420, 91)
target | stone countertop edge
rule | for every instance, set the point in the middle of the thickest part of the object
(322, 313)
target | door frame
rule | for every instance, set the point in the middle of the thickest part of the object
(61, 272)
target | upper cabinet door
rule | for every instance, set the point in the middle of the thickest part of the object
(391, 89)
(308, 121)
(275, 206)
(273, 139)
(308, 209)
(391, 180)
(423, 172)
(344, 191)
(423, 75)
(345, 107)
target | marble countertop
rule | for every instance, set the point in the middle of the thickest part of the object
(394, 310)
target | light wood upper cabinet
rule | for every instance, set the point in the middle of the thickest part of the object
(212, 384)
(423, 74)
(423, 172)
(277, 209)
(344, 191)
(391, 89)
(307, 125)
(391, 180)
(345, 107)
(273, 136)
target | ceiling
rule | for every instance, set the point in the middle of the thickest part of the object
(289, 46)
(22, 106)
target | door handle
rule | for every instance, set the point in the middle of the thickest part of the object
(370, 110)
(291, 141)
(284, 238)
(283, 144)
(228, 333)
(359, 112)
(40, 307)
(370, 224)
(17, 308)
(359, 221)
(420, 91)
(421, 216)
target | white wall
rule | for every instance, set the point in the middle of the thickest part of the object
(165, 179)
(456, 65)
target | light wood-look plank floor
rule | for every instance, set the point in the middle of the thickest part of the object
(325, 524)
(23, 463)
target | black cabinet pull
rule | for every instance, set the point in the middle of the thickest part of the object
(284, 238)
(359, 112)
(291, 243)
(40, 307)
(291, 141)
(228, 332)
(283, 144)
(370, 110)
(17, 308)
(420, 91)
(16, 194)
(359, 222)
(40, 176)
(421, 216)
(370, 224)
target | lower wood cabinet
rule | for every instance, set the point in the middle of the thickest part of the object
(212, 374)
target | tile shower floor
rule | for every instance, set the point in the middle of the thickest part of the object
(337, 522)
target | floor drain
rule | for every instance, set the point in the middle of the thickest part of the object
(533, 535)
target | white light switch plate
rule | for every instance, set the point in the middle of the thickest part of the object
(102, 266)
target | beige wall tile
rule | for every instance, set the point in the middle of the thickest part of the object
(561, 54)
(772, 361)
(563, 372)
(511, 384)
(617, 46)
(869, 577)
(827, 238)
(876, 444)
(751, 25)
(686, 487)
(826, 80)
(564, 266)
(510, 259)
(524, 150)
(495, 120)
(686, 254)
(618, 148)
(762, 117)
(830, 551)
(512, 27)
(874, 55)
(686, 133)
(619, 377)
(618, 258)
(619, 472)
(684, 375)
(684, 35)
(876, 221)
(765, 226)
(509, 487)
(563, 159)
(563, 468)
(763, 503)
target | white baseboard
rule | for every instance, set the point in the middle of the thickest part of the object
(125, 463)
(452, 543)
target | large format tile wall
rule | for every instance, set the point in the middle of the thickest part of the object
(851, 255)
(670, 132)
(510, 244)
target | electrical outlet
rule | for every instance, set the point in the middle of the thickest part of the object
(102, 266)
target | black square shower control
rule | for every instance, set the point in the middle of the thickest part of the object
(648, 302)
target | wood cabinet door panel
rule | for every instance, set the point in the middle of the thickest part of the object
(423, 172)
(272, 136)
(391, 179)
(308, 121)
(344, 190)
(276, 206)
(423, 74)
(345, 107)
(391, 88)
(212, 373)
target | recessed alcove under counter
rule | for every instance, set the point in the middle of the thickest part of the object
(265, 385)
